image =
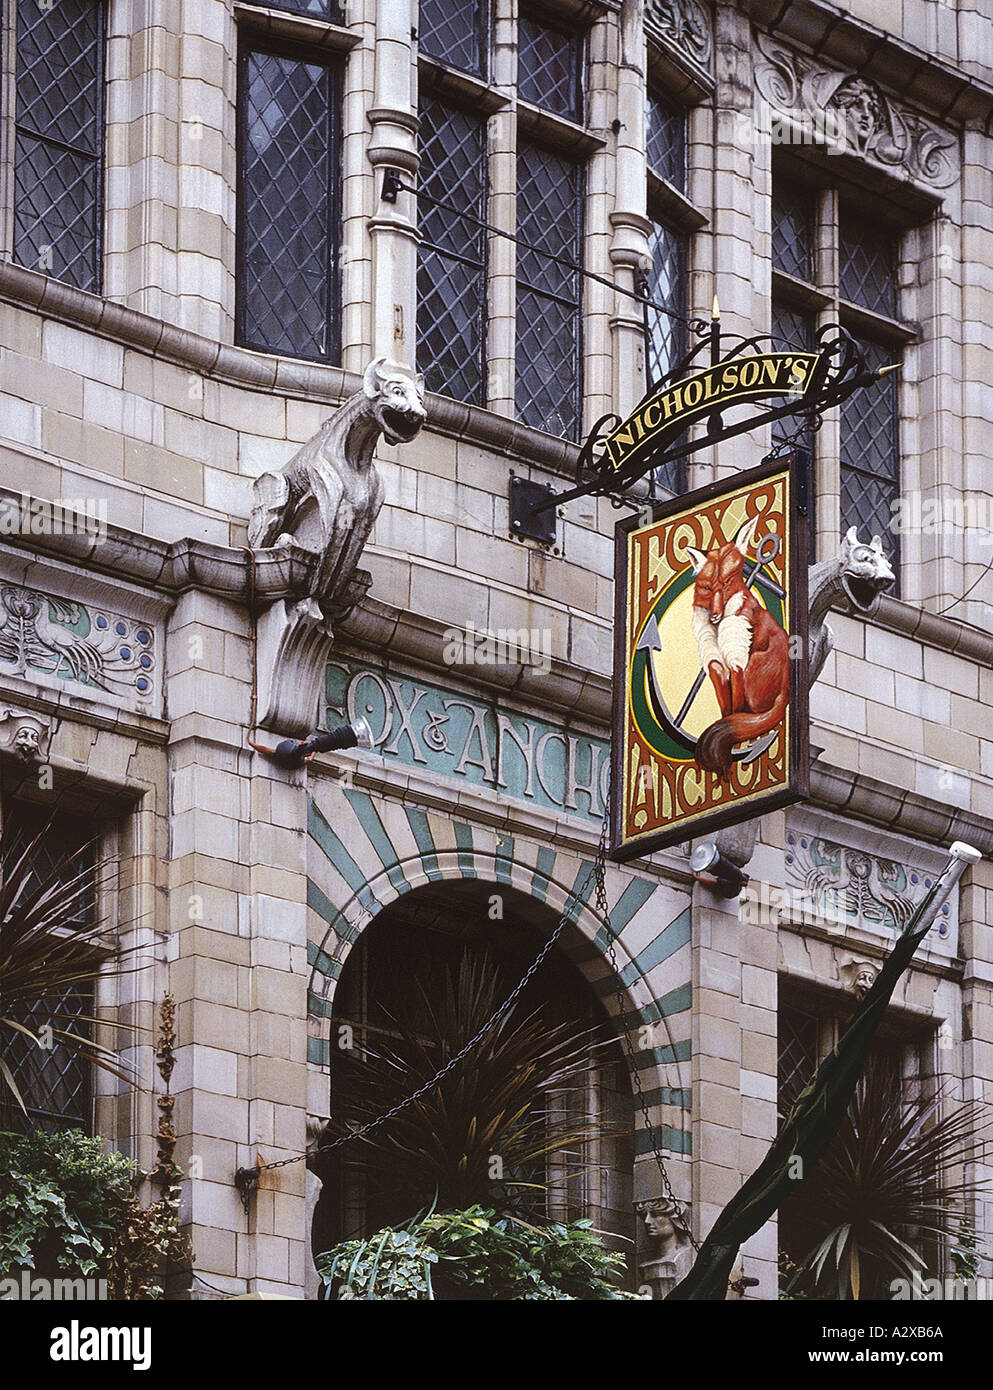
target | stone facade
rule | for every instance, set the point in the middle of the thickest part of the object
(137, 638)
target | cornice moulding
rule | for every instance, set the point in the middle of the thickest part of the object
(831, 33)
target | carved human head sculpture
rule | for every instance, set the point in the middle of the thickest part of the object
(398, 400)
(860, 101)
(660, 1216)
(23, 733)
(859, 976)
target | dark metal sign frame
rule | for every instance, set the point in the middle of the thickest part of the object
(837, 369)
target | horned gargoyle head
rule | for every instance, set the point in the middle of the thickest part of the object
(397, 400)
(865, 570)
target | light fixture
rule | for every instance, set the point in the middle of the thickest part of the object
(293, 752)
(716, 870)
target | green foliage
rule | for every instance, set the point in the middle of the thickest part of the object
(966, 1259)
(65, 1205)
(46, 956)
(61, 1199)
(886, 1188)
(507, 1096)
(475, 1254)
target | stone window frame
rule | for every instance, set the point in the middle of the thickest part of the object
(8, 132)
(819, 300)
(328, 42)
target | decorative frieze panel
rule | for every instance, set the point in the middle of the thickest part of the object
(853, 114)
(684, 25)
(75, 634)
(862, 880)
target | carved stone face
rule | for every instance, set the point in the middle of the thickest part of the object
(398, 401)
(27, 742)
(860, 102)
(658, 1225)
(864, 980)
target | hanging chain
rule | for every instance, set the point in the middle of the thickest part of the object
(246, 1179)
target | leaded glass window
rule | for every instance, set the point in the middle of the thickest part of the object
(549, 71)
(867, 264)
(799, 1052)
(792, 230)
(666, 284)
(792, 331)
(288, 211)
(56, 1085)
(454, 32)
(549, 218)
(665, 140)
(870, 455)
(58, 140)
(451, 282)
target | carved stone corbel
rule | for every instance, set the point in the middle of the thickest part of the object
(325, 500)
(24, 733)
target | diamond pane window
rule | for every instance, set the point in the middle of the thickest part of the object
(799, 1033)
(867, 264)
(870, 455)
(792, 230)
(791, 331)
(666, 282)
(451, 281)
(549, 218)
(55, 1085)
(549, 72)
(665, 141)
(58, 140)
(288, 214)
(453, 32)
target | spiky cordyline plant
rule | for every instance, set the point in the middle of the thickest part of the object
(505, 1099)
(884, 1188)
(47, 958)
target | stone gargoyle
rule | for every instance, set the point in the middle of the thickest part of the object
(328, 496)
(859, 573)
(325, 500)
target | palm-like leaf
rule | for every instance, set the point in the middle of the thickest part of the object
(47, 957)
(892, 1181)
(506, 1098)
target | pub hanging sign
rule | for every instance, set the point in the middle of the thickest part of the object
(710, 659)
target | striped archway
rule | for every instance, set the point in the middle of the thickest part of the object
(366, 851)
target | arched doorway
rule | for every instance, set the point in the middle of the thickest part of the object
(431, 953)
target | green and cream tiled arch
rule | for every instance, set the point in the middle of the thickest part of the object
(365, 852)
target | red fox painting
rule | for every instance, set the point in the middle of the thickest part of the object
(742, 648)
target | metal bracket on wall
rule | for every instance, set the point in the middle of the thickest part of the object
(525, 522)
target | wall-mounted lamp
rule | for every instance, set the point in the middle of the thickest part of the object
(294, 752)
(718, 872)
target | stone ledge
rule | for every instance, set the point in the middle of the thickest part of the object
(894, 808)
(259, 371)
